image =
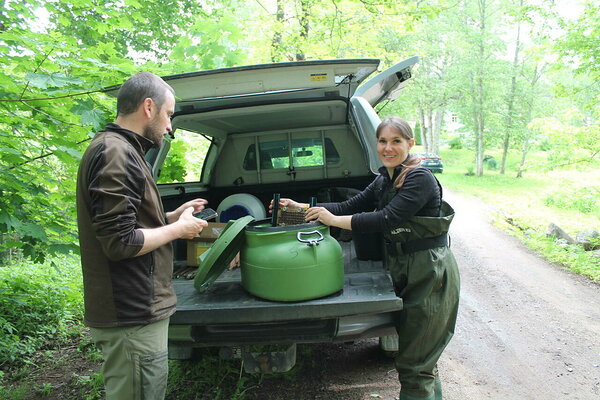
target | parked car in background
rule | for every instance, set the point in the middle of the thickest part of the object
(431, 161)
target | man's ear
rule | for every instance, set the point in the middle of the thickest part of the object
(147, 106)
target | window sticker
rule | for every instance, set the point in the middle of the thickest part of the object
(318, 77)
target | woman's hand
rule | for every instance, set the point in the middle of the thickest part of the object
(286, 203)
(324, 216)
(320, 214)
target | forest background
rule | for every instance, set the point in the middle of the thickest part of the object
(506, 90)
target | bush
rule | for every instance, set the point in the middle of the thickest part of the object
(490, 162)
(583, 199)
(456, 143)
(39, 303)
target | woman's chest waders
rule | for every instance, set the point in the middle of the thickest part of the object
(426, 277)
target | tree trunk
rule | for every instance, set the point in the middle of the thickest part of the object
(524, 152)
(511, 98)
(304, 27)
(425, 139)
(276, 50)
(436, 131)
(479, 118)
(429, 119)
(526, 140)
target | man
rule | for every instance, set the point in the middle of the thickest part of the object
(125, 238)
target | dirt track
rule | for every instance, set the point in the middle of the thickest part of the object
(526, 330)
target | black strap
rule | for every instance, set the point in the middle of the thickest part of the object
(425, 244)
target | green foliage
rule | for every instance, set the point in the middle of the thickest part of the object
(580, 44)
(91, 387)
(214, 378)
(571, 256)
(570, 144)
(47, 111)
(39, 303)
(417, 134)
(175, 165)
(209, 375)
(583, 199)
(185, 159)
(533, 202)
(490, 162)
(456, 143)
(51, 99)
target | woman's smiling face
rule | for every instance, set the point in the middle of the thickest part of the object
(392, 147)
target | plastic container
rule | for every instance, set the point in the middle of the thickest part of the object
(291, 263)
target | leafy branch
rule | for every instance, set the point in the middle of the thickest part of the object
(51, 116)
(578, 161)
(54, 97)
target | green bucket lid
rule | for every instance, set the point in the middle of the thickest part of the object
(215, 260)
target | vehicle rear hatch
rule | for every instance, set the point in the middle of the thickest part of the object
(274, 77)
(385, 86)
(278, 88)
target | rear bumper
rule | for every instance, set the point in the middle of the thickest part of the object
(226, 315)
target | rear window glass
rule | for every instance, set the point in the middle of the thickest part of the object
(185, 158)
(305, 152)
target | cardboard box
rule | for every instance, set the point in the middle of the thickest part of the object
(212, 231)
(197, 246)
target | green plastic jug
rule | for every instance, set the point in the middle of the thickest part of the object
(291, 263)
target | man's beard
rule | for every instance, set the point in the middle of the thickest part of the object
(153, 132)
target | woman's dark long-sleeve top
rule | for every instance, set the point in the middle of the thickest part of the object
(420, 195)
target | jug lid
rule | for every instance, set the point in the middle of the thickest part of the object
(216, 259)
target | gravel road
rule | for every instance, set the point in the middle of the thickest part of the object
(527, 329)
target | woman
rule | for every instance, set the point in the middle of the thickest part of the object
(414, 221)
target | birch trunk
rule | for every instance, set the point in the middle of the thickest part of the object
(436, 131)
(424, 138)
(511, 98)
(537, 72)
(479, 118)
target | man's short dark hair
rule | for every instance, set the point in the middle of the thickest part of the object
(139, 87)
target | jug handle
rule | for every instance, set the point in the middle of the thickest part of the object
(310, 242)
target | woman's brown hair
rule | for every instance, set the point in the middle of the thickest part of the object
(405, 130)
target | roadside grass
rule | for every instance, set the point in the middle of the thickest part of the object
(568, 197)
(219, 379)
(216, 379)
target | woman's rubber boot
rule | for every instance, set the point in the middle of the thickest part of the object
(437, 388)
(404, 396)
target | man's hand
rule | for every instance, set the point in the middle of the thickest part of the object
(186, 226)
(190, 226)
(197, 204)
